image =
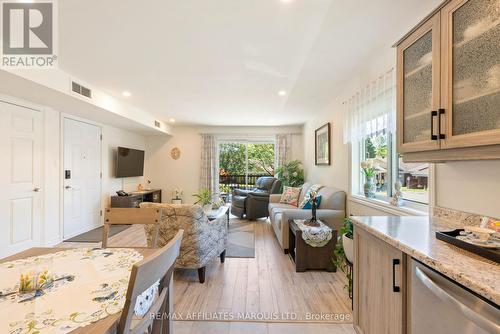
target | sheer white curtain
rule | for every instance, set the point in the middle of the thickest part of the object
(282, 149)
(209, 177)
(371, 110)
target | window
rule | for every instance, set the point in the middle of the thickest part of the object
(375, 149)
(242, 163)
(371, 132)
(390, 168)
(414, 180)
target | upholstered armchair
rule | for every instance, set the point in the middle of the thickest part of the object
(203, 239)
(253, 203)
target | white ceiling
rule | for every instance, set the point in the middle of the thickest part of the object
(222, 62)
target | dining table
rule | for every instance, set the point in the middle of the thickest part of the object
(105, 325)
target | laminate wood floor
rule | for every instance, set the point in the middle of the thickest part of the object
(197, 327)
(264, 291)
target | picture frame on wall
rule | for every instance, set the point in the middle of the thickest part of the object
(322, 145)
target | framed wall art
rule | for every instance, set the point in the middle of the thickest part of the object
(322, 145)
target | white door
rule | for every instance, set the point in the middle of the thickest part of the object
(20, 178)
(82, 177)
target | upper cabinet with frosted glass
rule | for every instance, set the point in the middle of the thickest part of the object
(449, 84)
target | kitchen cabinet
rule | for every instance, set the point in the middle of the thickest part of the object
(448, 84)
(379, 285)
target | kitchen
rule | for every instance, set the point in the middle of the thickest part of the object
(438, 274)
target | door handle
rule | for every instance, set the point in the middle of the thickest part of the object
(67, 187)
(37, 189)
(441, 112)
(434, 113)
(395, 288)
(467, 312)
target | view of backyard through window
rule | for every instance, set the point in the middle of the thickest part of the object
(412, 176)
(241, 164)
(375, 148)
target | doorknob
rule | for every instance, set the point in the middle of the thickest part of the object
(67, 187)
(37, 189)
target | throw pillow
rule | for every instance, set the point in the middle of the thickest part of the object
(309, 204)
(290, 195)
(314, 188)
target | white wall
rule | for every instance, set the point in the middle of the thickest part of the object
(338, 173)
(52, 177)
(168, 174)
(472, 186)
(466, 186)
(52, 87)
(111, 139)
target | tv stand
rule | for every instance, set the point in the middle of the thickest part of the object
(135, 198)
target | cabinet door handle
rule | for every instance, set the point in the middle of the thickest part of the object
(395, 288)
(434, 113)
(441, 135)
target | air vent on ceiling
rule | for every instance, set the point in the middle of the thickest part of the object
(157, 124)
(79, 89)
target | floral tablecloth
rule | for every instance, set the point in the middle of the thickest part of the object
(96, 287)
(314, 236)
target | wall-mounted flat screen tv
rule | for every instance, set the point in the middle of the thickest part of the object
(129, 162)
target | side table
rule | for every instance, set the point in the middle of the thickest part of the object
(214, 214)
(307, 257)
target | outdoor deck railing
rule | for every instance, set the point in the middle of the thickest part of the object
(228, 182)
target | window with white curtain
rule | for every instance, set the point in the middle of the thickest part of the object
(370, 127)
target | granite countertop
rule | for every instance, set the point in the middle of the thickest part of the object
(415, 236)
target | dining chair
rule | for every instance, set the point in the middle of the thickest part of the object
(157, 267)
(131, 216)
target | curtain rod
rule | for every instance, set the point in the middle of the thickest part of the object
(392, 69)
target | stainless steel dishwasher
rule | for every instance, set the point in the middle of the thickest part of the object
(439, 305)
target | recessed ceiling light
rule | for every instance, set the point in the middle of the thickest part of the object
(172, 120)
(126, 93)
(282, 93)
(285, 1)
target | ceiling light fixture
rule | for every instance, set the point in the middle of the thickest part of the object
(282, 93)
(126, 93)
(171, 120)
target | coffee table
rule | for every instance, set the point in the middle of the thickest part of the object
(307, 257)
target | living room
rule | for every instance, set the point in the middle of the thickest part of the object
(240, 167)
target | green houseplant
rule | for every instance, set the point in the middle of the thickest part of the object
(291, 174)
(204, 198)
(370, 170)
(345, 244)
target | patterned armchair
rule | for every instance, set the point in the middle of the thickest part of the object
(203, 239)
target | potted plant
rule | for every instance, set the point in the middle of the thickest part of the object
(204, 198)
(347, 240)
(291, 174)
(344, 251)
(177, 196)
(369, 170)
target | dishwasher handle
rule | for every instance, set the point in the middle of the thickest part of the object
(476, 318)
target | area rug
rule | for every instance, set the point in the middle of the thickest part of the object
(240, 239)
(95, 235)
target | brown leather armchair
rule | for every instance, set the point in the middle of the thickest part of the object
(254, 203)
